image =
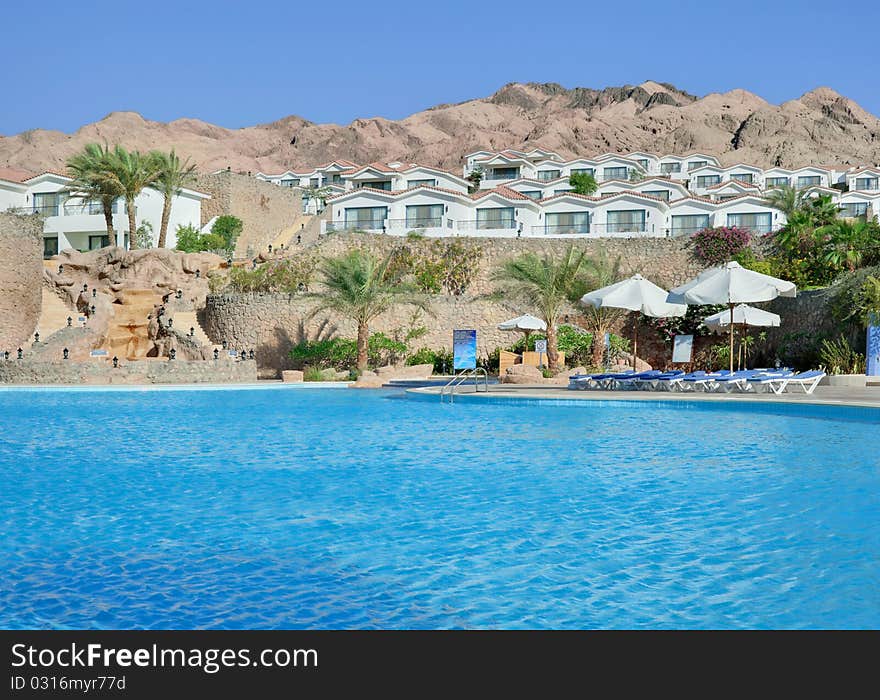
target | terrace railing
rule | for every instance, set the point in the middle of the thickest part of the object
(414, 222)
(339, 227)
(561, 229)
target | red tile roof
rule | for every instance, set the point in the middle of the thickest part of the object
(15, 175)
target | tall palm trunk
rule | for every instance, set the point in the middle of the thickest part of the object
(132, 225)
(598, 347)
(552, 347)
(163, 225)
(107, 204)
(363, 345)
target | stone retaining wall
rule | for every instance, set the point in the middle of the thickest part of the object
(141, 372)
(265, 209)
(21, 275)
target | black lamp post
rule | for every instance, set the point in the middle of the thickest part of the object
(19, 353)
(225, 345)
(6, 355)
(94, 292)
(69, 321)
(85, 287)
(216, 354)
(36, 337)
(172, 353)
(66, 354)
(170, 322)
(270, 248)
(60, 269)
(115, 362)
(251, 355)
(192, 331)
(198, 273)
(179, 294)
(92, 308)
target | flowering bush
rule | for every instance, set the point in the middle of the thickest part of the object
(713, 246)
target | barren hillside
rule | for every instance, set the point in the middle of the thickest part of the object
(820, 127)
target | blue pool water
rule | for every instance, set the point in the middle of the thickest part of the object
(351, 509)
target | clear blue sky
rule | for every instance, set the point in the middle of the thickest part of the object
(248, 62)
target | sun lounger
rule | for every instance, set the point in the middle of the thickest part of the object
(808, 381)
(671, 380)
(703, 381)
(765, 378)
(636, 381)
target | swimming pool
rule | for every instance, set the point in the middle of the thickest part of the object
(361, 509)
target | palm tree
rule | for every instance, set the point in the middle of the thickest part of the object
(93, 182)
(785, 198)
(823, 210)
(172, 176)
(546, 284)
(600, 271)
(358, 285)
(845, 241)
(132, 171)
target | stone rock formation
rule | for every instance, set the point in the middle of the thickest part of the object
(21, 248)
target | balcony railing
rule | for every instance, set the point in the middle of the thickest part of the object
(677, 231)
(561, 229)
(338, 227)
(866, 185)
(500, 176)
(756, 229)
(92, 209)
(416, 222)
(494, 225)
(622, 227)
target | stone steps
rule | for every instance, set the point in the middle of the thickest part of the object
(182, 321)
(53, 315)
(289, 234)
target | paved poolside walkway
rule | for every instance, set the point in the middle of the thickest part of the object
(823, 395)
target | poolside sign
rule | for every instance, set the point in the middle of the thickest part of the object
(872, 353)
(682, 348)
(464, 349)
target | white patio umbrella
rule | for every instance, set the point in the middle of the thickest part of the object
(743, 315)
(635, 294)
(731, 284)
(525, 323)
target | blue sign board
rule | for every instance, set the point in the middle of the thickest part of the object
(464, 349)
(872, 353)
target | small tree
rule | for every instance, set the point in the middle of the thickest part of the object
(357, 285)
(188, 239)
(583, 183)
(228, 228)
(475, 177)
(144, 235)
(545, 284)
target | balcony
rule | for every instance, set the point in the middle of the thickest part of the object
(561, 230)
(623, 227)
(416, 222)
(494, 225)
(348, 226)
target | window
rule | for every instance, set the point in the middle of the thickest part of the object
(862, 183)
(98, 241)
(853, 209)
(561, 191)
(643, 163)
(314, 182)
(503, 174)
(289, 182)
(809, 180)
(662, 194)
(378, 185)
(708, 180)
(567, 222)
(686, 224)
(616, 173)
(626, 221)
(368, 218)
(50, 247)
(501, 217)
(725, 197)
(743, 177)
(694, 164)
(775, 182)
(666, 168)
(424, 216)
(46, 203)
(532, 194)
(755, 222)
(336, 179)
(586, 171)
(549, 174)
(430, 182)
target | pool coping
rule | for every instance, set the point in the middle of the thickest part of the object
(542, 393)
(273, 385)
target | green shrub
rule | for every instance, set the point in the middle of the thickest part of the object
(227, 229)
(188, 239)
(839, 357)
(286, 275)
(576, 345)
(441, 359)
(341, 353)
(312, 374)
(442, 266)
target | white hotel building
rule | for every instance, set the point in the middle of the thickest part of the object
(527, 193)
(70, 223)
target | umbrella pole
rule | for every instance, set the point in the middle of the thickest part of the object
(731, 338)
(635, 339)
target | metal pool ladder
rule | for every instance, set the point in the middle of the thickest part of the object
(449, 388)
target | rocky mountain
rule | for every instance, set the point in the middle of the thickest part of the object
(820, 127)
